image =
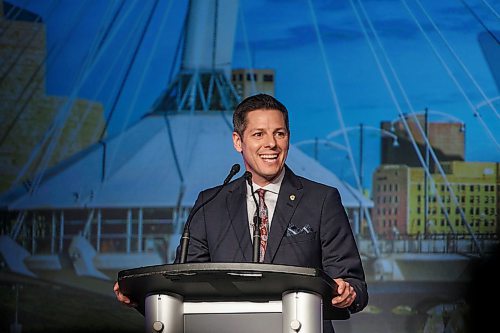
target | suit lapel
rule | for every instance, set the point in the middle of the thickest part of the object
(237, 209)
(288, 199)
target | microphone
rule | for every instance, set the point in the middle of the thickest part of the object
(186, 234)
(234, 170)
(256, 221)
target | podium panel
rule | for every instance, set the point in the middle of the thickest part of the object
(186, 297)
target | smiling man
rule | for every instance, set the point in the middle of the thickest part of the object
(303, 222)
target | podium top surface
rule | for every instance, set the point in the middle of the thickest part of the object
(206, 282)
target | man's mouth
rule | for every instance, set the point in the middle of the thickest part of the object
(269, 157)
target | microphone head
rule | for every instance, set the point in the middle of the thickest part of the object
(248, 176)
(235, 168)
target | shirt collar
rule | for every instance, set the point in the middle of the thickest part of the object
(274, 186)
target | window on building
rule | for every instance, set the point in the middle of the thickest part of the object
(249, 77)
(268, 78)
(418, 222)
(240, 77)
(396, 199)
(471, 188)
(419, 187)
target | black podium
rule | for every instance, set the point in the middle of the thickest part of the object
(277, 297)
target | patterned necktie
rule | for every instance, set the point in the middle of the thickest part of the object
(264, 223)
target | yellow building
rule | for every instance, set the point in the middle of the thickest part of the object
(26, 112)
(249, 81)
(400, 199)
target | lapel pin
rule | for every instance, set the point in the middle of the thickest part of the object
(292, 197)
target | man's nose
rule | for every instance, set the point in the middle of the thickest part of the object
(271, 141)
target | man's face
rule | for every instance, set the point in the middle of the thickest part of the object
(264, 145)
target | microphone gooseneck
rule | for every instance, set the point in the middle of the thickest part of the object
(186, 234)
(256, 221)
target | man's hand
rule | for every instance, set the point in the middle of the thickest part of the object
(345, 294)
(120, 297)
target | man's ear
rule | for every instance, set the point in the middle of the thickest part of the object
(237, 142)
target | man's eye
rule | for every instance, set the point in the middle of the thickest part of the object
(258, 134)
(281, 134)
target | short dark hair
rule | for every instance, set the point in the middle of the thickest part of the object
(257, 102)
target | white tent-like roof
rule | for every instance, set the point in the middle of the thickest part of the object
(161, 161)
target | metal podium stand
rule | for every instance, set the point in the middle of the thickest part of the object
(194, 297)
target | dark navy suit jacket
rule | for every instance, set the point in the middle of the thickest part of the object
(220, 232)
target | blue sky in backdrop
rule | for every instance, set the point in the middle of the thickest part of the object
(443, 69)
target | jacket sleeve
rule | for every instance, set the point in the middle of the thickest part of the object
(340, 256)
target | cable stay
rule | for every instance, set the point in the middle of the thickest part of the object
(457, 58)
(491, 8)
(340, 118)
(14, 59)
(11, 16)
(49, 58)
(55, 129)
(403, 91)
(131, 63)
(407, 128)
(453, 77)
(253, 87)
(478, 19)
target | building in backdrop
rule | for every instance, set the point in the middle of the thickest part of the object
(248, 82)
(447, 139)
(466, 202)
(27, 113)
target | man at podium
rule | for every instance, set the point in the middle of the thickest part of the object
(301, 222)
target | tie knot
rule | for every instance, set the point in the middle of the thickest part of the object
(261, 193)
